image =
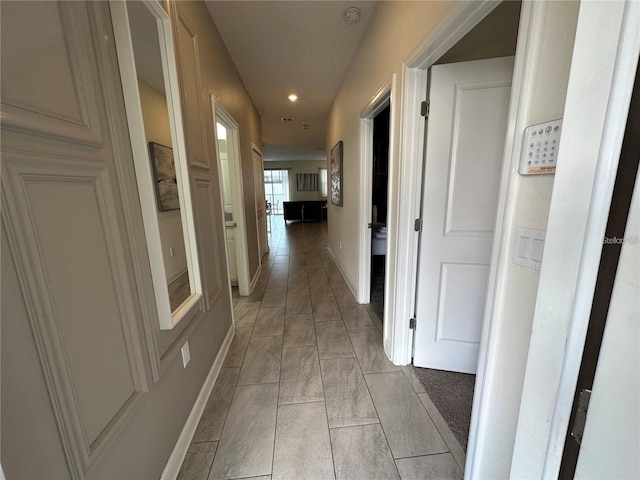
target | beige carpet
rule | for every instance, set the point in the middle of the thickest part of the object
(452, 394)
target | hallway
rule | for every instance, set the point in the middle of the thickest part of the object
(306, 390)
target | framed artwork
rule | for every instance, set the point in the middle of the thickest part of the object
(307, 182)
(164, 171)
(336, 174)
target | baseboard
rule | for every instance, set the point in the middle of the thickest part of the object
(175, 276)
(346, 279)
(174, 463)
(255, 278)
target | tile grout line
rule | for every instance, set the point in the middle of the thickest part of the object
(275, 431)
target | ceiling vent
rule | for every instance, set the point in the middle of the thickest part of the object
(284, 119)
(352, 15)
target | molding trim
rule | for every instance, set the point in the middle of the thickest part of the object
(255, 278)
(220, 114)
(179, 452)
(195, 128)
(259, 207)
(212, 286)
(521, 89)
(382, 98)
(591, 145)
(19, 116)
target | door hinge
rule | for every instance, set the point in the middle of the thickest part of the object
(577, 430)
(412, 324)
(424, 108)
(417, 225)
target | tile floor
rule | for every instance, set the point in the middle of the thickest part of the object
(306, 390)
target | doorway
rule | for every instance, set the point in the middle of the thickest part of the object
(379, 196)
(468, 92)
(276, 185)
(228, 150)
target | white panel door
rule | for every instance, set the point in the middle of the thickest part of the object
(469, 103)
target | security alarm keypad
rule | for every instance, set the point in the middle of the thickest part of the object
(540, 149)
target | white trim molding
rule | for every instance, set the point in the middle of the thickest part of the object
(237, 192)
(377, 104)
(603, 67)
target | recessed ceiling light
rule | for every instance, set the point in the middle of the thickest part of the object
(293, 97)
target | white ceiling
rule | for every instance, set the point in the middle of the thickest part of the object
(283, 47)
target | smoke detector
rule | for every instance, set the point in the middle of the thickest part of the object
(352, 15)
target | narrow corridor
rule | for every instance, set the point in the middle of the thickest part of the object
(306, 390)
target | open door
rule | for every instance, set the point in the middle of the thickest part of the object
(229, 166)
(469, 103)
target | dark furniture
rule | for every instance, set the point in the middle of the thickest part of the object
(305, 211)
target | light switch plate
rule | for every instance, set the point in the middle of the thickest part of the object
(540, 148)
(528, 248)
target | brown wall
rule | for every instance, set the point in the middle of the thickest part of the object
(80, 338)
(220, 77)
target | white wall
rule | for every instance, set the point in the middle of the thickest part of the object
(602, 73)
(394, 31)
(528, 202)
(295, 167)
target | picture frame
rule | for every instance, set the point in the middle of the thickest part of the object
(336, 174)
(307, 182)
(164, 176)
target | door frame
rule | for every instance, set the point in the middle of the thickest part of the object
(237, 193)
(382, 98)
(541, 424)
(457, 21)
(262, 249)
(399, 338)
(597, 104)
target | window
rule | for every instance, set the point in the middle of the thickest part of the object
(323, 183)
(276, 189)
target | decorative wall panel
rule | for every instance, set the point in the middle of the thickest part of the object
(189, 72)
(206, 221)
(66, 240)
(57, 102)
(62, 209)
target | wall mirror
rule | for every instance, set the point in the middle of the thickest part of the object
(145, 51)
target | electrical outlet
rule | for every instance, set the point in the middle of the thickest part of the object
(171, 252)
(186, 354)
